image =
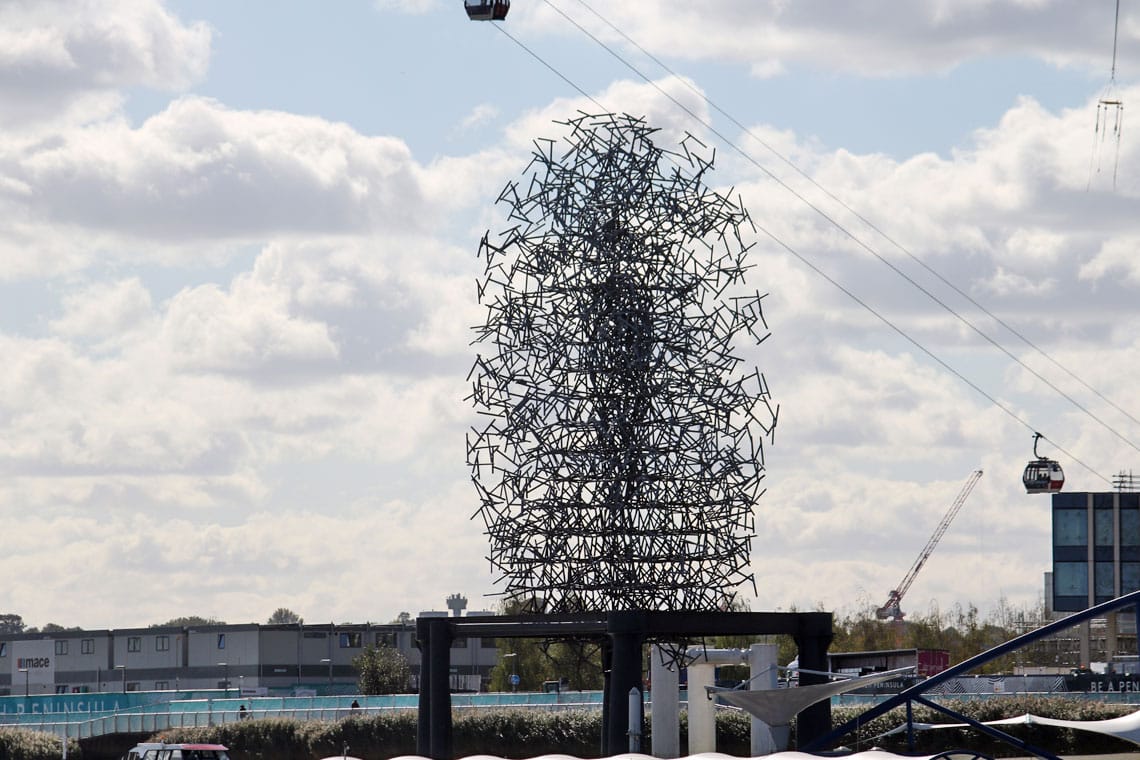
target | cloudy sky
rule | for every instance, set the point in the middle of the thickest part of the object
(237, 267)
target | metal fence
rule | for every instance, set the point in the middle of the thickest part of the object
(212, 712)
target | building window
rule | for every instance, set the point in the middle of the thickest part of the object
(350, 640)
(1129, 527)
(1103, 580)
(3, 648)
(1071, 527)
(162, 643)
(133, 686)
(1129, 577)
(87, 646)
(61, 688)
(1102, 525)
(61, 648)
(459, 643)
(161, 685)
(134, 643)
(1071, 579)
(221, 641)
(386, 640)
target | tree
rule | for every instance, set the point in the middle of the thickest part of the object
(284, 616)
(576, 663)
(188, 621)
(11, 623)
(57, 628)
(382, 670)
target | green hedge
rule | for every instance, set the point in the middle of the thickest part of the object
(23, 744)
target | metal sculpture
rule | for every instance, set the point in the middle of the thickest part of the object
(623, 452)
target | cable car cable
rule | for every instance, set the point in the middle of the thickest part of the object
(556, 72)
(1115, 35)
(874, 227)
(913, 341)
(852, 236)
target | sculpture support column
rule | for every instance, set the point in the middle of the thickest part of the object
(813, 721)
(665, 708)
(433, 734)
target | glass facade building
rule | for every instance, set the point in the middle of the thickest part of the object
(1096, 548)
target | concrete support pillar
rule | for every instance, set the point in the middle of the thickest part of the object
(702, 710)
(665, 707)
(762, 669)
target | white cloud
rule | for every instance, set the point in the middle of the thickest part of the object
(105, 310)
(482, 114)
(208, 330)
(71, 57)
(1118, 254)
(873, 38)
(198, 178)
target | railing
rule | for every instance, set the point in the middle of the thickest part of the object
(192, 713)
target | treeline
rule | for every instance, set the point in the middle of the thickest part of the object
(963, 631)
(11, 623)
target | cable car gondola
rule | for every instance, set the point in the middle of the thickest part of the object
(487, 10)
(1042, 475)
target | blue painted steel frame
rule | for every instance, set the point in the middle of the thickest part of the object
(914, 693)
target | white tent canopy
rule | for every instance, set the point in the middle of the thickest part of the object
(777, 707)
(1125, 727)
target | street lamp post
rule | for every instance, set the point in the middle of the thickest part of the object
(26, 672)
(124, 669)
(225, 666)
(329, 661)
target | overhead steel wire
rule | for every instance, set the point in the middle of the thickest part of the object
(1008, 411)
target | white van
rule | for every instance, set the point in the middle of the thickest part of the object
(161, 751)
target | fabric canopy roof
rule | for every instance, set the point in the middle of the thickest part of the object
(1125, 727)
(777, 707)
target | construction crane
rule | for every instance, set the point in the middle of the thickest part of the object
(891, 610)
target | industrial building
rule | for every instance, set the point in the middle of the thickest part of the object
(254, 659)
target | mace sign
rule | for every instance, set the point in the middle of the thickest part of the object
(33, 665)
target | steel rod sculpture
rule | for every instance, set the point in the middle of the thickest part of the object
(622, 454)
